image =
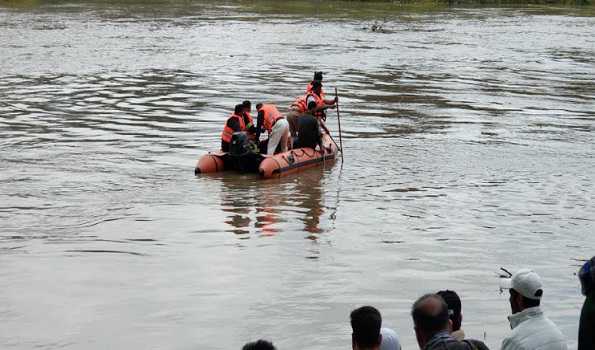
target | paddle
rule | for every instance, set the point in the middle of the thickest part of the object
(339, 122)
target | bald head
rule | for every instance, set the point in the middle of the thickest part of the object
(430, 314)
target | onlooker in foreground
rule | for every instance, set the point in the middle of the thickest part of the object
(259, 345)
(530, 328)
(454, 312)
(390, 339)
(365, 323)
(430, 318)
(586, 330)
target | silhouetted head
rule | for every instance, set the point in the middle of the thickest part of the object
(366, 322)
(430, 316)
(452, 300)
(316, 86)
(259, 345)
(258, 106)
(247, 106)
(311, 105)
(238, 109)
(586, 275)
(318, 76)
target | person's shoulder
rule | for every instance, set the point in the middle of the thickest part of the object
(476, 344)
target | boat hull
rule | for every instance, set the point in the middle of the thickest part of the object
(278, 165)
(297, 159)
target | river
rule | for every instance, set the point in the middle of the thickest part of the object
(469, 145)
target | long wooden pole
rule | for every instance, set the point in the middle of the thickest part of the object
(339, 122)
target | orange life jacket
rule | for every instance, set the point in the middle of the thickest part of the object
(319, 103)
(301, 103)
(309, 90)
(228, 132)
(271, 115)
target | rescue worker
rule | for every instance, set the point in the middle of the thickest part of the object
(321, 104)
(317, 77)
(309, 134)
(270, 119)
(247, 108)
(235, 123)
(299, 106)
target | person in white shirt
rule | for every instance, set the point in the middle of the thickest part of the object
(531, 330)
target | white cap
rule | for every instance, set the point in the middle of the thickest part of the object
(526, 282)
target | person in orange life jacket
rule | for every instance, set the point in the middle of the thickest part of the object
(294, 116)
(246, 111)
(317, 77)
(270, 119)
(321, 103)
(235, 123)
(250, 126)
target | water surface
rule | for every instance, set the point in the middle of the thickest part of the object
(469, 145)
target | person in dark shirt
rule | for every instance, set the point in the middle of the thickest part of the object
(431, 323)
(586, 330)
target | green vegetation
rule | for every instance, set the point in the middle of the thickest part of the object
(354, 9)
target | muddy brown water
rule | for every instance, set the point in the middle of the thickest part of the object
(469, 145)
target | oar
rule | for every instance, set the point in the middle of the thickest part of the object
(339, 122)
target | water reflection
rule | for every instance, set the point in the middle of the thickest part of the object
(254, 206)
(309, 197)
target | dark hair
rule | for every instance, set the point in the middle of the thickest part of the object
(452, 300)
(316, 84)
(318, 76)
(366, 322)
(247, 104)
(238, 109)
(259, 345)
(258, 105)
(527, 302)
(425, 318)
(311, 105)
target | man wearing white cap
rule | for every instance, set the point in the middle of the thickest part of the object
(531, 330)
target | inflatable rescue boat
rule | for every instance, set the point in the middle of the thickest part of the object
(268, 166)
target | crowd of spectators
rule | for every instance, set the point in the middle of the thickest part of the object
(437, 319)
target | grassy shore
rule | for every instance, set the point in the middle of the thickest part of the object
(365, 9)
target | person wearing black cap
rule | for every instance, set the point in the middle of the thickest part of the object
(317, 77)
(530, 328)
(586, 330)
(321, 104)
(452, 300)
(431, 323)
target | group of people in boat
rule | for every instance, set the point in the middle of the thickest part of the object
(299, 128)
